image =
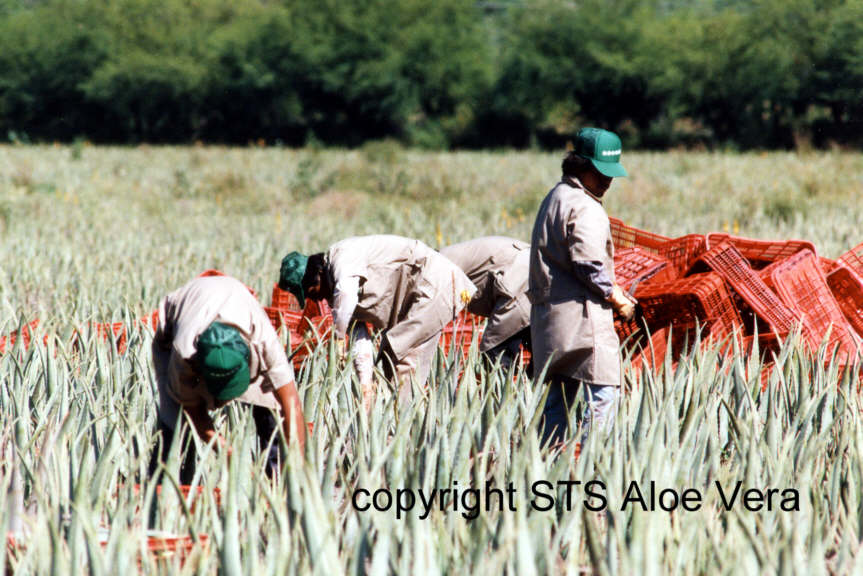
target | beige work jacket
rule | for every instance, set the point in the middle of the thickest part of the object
(188, 311)
(572, 328)
(406, 288)
(499, 268)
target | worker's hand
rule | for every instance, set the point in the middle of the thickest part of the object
(622, 303)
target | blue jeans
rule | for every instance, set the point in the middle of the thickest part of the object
(600, 410)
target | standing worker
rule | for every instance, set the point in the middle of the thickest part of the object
(572, 288)
(499, 268)
(214, 344)
(396, 284)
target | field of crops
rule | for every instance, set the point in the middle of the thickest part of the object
(94, 234)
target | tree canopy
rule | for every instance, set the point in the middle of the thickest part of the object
(433, 73)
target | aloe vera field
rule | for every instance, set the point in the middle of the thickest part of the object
(91, 234)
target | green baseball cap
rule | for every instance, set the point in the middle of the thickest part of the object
(602, 148)
(291, 275)
(223, 361)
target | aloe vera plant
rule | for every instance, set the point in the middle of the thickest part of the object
(77, 414)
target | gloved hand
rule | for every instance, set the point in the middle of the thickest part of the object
(622, 303)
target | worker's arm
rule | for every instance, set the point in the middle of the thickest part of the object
(292, 411)
(593, 275)
(362, 351)
(346, 296)
(203, 423)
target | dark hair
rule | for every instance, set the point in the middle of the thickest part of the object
(317, 274)
(315, 269)
(574, 165)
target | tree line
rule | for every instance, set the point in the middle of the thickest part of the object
(433, 73)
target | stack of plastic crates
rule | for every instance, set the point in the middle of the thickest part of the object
(761, 253)
(847, 288)
(729, 263)
(686, 304)
(801, 285)
(307, 327)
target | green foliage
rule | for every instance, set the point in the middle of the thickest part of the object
(434, 74)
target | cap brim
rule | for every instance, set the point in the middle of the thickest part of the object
(610, 169)
(236, 386)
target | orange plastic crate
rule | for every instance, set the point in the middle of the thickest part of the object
(767, 343)
(802, 286)
(847, 288)
(624, 236)
(26, 335)
(462, 337)
(280, 317)
(761, 253)
(853, 259)
(168, 546)
(633, 265)
(317, 308)
(284, 300)
(628, 331)
(699, 299)
(729, 263)
(652, 354)
(682, 252)
(461, 331)
(827, 265)
(151, 320)
(115, 330)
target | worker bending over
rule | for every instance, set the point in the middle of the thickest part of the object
(214, 344)
(498, 267)
(395, 284)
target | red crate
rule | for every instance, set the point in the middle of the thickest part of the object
(699, 299)
(628, 331)
(761, 253)
(767, 344)
(284, 300)
(624, 236)
(26, 335)
(827, 265)
(652, 354)
(727, 261)
(462, 338)
(115, 330)
(682, 252)
(633, 265)
(165, 548)
(847, 288)
(279, 317)
(310, 333)
(854, 259)
(317, 308)
(802, 286)
(461, 331)
(211, 272)
(151, 320)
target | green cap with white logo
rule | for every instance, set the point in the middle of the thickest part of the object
(602, 148)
